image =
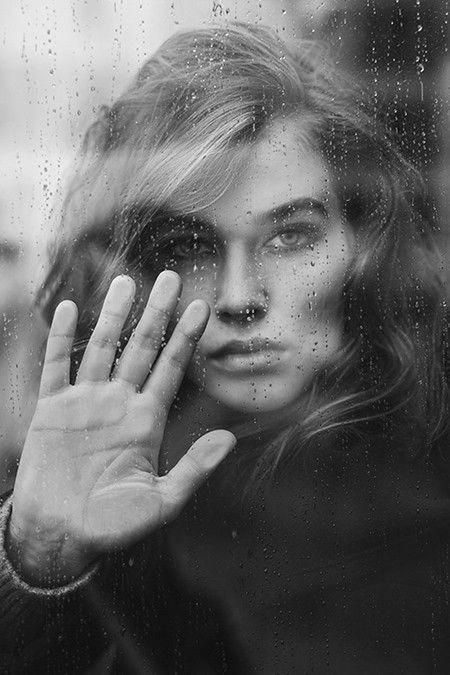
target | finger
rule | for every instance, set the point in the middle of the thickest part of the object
(145, 343)
(56, 368)
(101, 349)
(168, 373)
(194, 467)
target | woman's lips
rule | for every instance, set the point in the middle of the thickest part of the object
(253, 356)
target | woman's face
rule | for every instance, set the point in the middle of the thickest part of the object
(270, 257)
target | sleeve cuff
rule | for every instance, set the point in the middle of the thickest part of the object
(11, 576)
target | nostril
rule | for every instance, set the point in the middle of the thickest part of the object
(241, 295)
(252, 312)
(242, 315)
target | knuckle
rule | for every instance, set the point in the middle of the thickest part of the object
(161, 313)
(102, 341)
(195, 469)
(147, 340)
(57, 345)
(112, 316)
(56, 358)
(186, 335)
(57, 337)
(175, 359)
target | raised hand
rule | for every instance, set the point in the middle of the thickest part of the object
(88, 476)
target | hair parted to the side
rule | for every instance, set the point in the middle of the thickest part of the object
(166, 146)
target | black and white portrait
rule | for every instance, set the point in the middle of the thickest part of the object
(224, 364)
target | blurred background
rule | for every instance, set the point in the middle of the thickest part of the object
(62, 59)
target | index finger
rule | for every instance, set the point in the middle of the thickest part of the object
(166, 377)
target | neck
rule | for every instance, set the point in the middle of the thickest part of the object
(194, 413)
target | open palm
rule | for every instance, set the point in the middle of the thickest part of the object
(88, 477)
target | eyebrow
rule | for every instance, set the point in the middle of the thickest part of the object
(316, 206)
(170, 223)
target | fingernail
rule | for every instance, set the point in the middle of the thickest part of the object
(198, 312)
(221, 443)
(167, 281)
(122, 289)
(124, 280)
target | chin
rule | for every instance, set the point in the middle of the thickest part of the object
(254, 398)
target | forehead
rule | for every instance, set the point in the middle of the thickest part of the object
(281, 167)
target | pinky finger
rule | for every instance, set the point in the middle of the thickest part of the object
(56, 369)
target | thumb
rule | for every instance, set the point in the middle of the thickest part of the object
(196, 465)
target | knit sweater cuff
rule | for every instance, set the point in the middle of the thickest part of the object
(11, 583)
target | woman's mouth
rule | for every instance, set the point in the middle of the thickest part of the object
(250, 356)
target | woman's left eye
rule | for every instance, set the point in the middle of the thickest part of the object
(289, 239)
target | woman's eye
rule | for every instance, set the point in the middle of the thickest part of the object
(192, 247)
(289, 239)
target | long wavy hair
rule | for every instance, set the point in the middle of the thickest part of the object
(166, 146)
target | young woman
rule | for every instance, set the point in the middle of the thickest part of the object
(271, 280)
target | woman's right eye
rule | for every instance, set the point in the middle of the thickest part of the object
(191, 247)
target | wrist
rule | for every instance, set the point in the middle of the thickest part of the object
(42, 560)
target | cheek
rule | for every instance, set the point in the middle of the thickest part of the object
(199, 283)
(307, 298)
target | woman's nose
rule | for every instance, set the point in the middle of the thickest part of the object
(241, 296)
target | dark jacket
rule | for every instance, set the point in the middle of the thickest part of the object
(339, 565)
